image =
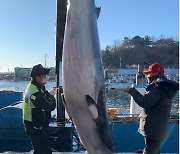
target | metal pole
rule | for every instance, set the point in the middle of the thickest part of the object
(45, 60)
(60, 27)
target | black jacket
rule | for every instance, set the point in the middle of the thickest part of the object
(156, 104)
(44, 103)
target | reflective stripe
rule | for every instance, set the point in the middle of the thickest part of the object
(27, 104)
(24, 108)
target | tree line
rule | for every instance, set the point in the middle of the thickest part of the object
(138, 50)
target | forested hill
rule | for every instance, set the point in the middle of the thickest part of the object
(139, 50)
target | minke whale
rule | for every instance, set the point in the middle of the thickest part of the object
(82, 77)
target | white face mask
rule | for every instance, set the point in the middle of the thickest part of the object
(45, 80)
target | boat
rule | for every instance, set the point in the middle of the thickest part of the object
(8, 97)
(62, 133)
(64, 138)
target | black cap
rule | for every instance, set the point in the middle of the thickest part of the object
(38, 70)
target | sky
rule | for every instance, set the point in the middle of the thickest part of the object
(27, 27)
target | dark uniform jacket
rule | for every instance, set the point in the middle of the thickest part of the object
(156, 104)
(44, 103)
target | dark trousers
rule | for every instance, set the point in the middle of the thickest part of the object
(152, 146)
(40, 140)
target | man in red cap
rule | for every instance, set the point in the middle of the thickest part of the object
(37, 106)
(156, 104)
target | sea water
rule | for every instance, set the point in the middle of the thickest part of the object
(114, 98)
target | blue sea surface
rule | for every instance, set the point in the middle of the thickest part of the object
(114, 98)
(20, 86)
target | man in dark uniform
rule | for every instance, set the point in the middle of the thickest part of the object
(37, 106)
(156, 104)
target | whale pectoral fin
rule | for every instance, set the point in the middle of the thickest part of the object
(64, 103)
(98, 10)
(102, 123)
(63, 99)
(92, 107)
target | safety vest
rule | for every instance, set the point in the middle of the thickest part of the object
(27, 104)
